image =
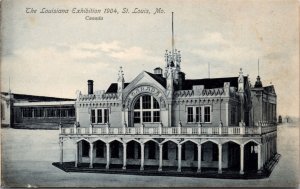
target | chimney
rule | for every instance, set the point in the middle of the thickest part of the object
(158, 71)
(181, 79)
(90, 86)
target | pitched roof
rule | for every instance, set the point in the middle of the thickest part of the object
(35, 98)
(161, 80)
(210, 83)
(113, 88)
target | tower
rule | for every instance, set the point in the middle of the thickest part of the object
(173, 60)
(258, 82)
(121, 81)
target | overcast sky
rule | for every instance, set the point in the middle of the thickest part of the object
(55, 54)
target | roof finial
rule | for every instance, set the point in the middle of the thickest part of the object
(172, 37)
(9, 84)
(209, 70)
(258, 67)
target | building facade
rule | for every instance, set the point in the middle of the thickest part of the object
(36, 112)
(164, 120)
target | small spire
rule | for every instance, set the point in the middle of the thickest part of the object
(241, 71)
(258, 67)
(120, 75)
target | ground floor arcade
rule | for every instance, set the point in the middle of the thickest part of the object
(239, 154)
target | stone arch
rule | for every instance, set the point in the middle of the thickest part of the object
(251, 140)
(231, 140)
(171, 140)
(189, 140)
(81, 139)
(115, 139)
(98, 139)
(151, 139)
(145, 85)
(135, 140)
(210, 140)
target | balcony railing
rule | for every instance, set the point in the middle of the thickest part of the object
(169, 130)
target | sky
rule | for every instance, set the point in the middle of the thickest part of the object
(55, 54)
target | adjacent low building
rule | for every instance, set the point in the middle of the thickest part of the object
(36, 112)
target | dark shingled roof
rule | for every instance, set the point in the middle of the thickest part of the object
(34, 98)
(113, 88)
(161, 80)
(210, 83)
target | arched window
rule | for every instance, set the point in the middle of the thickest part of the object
(146, 109)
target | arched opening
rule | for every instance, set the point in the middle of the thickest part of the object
(209, 155)
(85, 148)
(146, 109)
(233, 155)
(189, 155)
(83, 151)
(100, 148)
(170, 155)
(251, 157)
(116, 153)
(133, 153)
(151, 154)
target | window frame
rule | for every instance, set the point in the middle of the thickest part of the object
(144, 109)
(105, 115)
(198, 114)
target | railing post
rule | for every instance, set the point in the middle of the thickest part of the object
(179, 127)
(75, 128)
(220, 128)
(160, 128)
(107, 128)
(60, 128)
(124, 128)
(199, 128)
(242, 128)
(142, 128)
(91, 128)
(259, 129)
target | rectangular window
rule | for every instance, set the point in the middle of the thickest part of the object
(137, 117)
(38, 112)
(50, 112)
(198, 114)
(146, 102)
(99, 116)
(190, 114)
(27, 112)
(156, 116)
(106, 116)
(71, 112)
(207, 114)
(93, 116)
(147, 116)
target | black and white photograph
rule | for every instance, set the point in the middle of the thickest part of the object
(140, 93)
